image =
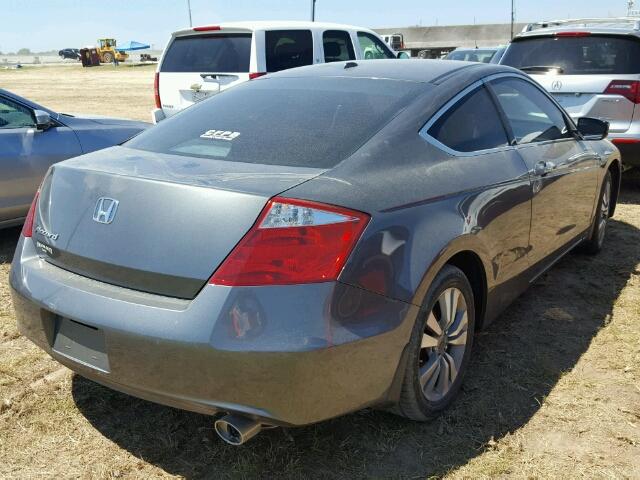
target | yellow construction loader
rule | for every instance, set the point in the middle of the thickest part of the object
(107, 50)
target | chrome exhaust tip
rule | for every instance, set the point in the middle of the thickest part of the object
(236, 430)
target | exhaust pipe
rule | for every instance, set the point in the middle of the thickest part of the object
(236, 430)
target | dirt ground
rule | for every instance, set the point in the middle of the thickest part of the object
(125, 91)
(553, 390)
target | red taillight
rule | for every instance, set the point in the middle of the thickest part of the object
(156, 89)
(207, 28)
(630, 89)
(256, 75)
(573, 34)
(293, 241)
(625, 141)
(27, 228)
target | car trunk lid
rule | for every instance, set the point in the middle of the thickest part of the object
(175, 220)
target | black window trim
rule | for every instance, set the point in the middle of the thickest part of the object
(486, 82)
(424, 131)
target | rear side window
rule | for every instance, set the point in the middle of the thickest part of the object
(303, 122)
(209, 53)
(471, 125)
(531, 114)
(606, 55)
(371, 47)
(288, 49)
(337, 46)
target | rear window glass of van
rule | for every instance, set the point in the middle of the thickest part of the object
(209, 53)
(304, 122)
(592, 55)
(288, 49)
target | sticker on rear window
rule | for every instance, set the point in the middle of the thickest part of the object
(220, 135)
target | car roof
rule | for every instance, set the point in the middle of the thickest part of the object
(603, 26)
(275, 24)
(422, 71)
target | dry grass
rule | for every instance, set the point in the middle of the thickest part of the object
(553, 390)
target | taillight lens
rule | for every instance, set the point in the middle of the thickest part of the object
(293, 241)
(629, 89)
(573, 34)
(156, 89)
(256, 75)
(27, 228)
(207, 28)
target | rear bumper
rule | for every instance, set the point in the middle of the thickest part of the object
(287, 355)
(629, 149)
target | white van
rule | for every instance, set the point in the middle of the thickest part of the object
(202, 61)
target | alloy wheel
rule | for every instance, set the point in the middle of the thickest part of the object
(604, 212)
(443, 345)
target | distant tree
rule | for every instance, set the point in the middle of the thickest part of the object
(24, 51)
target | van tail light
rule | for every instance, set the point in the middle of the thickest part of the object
(624, 141)
(207, 28)
(256, 75)
(573, 34)
(630, 89)
(156, 89)
(27, 228)
(293, 241)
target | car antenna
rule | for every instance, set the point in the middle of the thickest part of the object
(350, 65)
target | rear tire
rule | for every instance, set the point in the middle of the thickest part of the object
(107, 58)
(594, 243)
(439, 348)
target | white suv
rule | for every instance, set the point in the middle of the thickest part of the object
(592, 68)
(202, 61)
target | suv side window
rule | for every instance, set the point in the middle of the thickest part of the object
(14, 115)
(337, 46)
(372, 47)
(531, 114)
(472, 124)
(288, 49)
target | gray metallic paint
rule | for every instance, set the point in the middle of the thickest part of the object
(320, 350)
(27, 153)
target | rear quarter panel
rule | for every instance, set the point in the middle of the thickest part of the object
(427, 205)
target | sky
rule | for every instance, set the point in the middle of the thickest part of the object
(43, 25)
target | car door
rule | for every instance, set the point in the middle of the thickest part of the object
(26, 154)
(563, 169)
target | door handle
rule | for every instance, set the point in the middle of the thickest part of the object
(542, 168)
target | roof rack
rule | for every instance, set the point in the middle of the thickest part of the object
(578, 22)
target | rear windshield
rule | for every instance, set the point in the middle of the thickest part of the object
(209, 53)
(306, 122)
(599, 54)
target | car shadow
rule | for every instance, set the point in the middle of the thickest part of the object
(517, 361)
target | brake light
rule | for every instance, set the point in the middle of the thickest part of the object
(207, 28)
(156, 89)
(573, 34)
(27, 228)
(630, 89)
(256, 75)
(625, 141)
(293, 241)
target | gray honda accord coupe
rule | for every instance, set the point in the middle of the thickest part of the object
(312, 242)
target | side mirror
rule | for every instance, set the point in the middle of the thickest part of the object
(593, 128)
(403, 55)
(43, 120)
